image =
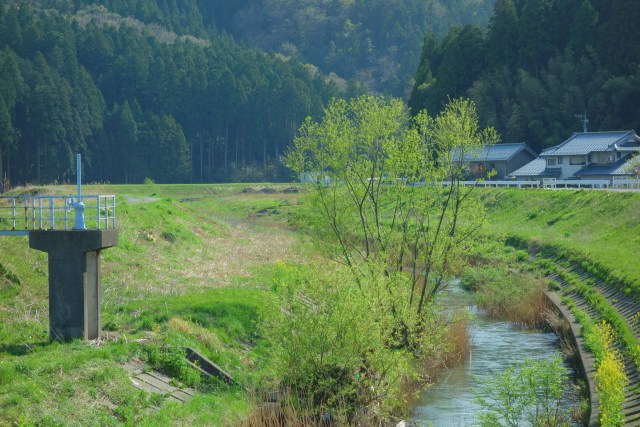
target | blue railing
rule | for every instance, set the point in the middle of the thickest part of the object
(21, 214)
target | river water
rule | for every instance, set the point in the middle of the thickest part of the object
(495, 346)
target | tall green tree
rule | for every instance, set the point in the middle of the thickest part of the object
(502, 38)
(452, 67)
(12, 89)
(7, 137)
(125, 133)
(378, 204)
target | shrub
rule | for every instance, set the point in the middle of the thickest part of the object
(521, 255)
(514, 296)
(526, 395)
(475, 279)
(337, 343)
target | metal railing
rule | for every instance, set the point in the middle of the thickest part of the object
(21, 214)
(555, 183)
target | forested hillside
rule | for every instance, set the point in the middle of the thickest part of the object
(192, 90)
(138, 101)
(376, 42)
(539, 64)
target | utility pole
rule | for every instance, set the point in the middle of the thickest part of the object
(584, 119)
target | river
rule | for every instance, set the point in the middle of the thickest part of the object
(495, 346)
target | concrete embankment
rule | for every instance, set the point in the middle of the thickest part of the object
(627, 308)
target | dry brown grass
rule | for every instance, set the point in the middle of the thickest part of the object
(274, 415)
(282, 413)
(228, 253)
(237, 253)
(458, 339)
(452, 350)
(529, 312)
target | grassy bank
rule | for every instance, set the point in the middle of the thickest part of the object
(190, 270)
(601, 225)
(587, 242)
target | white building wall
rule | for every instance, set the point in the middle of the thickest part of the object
(568, 170)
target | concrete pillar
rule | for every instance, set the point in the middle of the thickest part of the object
(74, 279)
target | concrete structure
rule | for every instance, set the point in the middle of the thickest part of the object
(503, 158)
(74, 254)
(74, 279)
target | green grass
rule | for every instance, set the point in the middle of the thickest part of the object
(601, 225)
(191, 269)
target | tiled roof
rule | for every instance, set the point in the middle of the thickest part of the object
(493, 153)
(537, 167)
(615, 169)
(583, 143)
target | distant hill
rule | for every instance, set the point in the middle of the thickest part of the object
(149, 94)
(193, 90)
(373, 42)
(539, 64)
(376, 42)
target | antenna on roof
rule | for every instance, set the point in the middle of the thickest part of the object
(584, 119)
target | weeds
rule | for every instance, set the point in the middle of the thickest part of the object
(610, 378)
(172, 361)
(517, 297)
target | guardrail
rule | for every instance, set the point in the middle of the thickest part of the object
(626, 183)
(21, 214)
(516, 184)
(576, 183)
(554, 183)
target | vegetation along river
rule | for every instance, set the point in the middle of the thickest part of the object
(495, 346)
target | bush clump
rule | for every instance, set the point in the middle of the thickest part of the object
(526, 395)
(340, 349)
(502, 293)
(172, 361)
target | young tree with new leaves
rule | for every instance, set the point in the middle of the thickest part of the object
(633, 167)
(387, 204)
(393, 204)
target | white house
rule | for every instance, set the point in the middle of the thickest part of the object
(586, 155)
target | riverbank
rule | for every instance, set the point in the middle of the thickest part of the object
(496, 346)
(191, 269)
(584, 242)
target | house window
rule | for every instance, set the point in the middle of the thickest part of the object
(577, 160)
(551, 161)
(560, 159)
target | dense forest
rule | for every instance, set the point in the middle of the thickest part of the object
(192, 90)
(374, 42)
(211, 91)
(138, 102)
(539, 64)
